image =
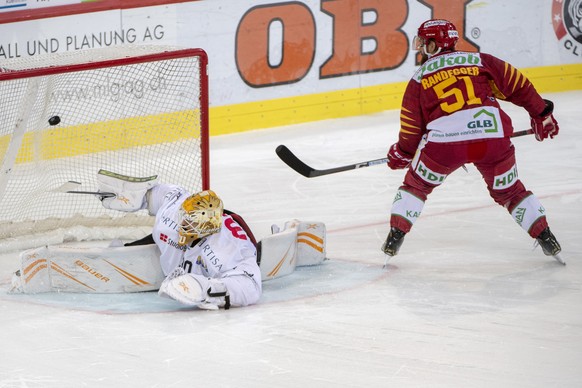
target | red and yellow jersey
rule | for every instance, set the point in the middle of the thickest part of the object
(454, 97)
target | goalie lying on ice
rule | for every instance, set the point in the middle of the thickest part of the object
(198, 253)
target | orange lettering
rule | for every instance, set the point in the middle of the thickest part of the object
(298, 44)
(358, 22)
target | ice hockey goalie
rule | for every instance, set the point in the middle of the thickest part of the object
(122, 269)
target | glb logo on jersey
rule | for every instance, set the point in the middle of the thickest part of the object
(506, 179)
(567, 22)
(484, 120)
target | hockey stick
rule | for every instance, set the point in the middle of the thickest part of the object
(71, 188)
(296, 164)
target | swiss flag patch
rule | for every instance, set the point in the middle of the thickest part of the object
(163, 237)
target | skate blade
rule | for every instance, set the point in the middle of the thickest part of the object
(559, 259)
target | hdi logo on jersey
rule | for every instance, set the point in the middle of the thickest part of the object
(505, 180)
(567, 22)
(429, 175)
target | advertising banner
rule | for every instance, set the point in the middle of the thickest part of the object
(309, 59)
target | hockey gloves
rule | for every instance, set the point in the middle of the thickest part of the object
(545, 124)
(398, 159)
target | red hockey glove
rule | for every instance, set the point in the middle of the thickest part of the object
(397, 158)
(545, 124)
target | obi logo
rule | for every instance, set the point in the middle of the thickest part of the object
(506, 179)
(429, 175)
(484, 120)
(567, 23)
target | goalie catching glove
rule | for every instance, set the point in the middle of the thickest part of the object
(545, 124)
(195, 290)
(129, 191)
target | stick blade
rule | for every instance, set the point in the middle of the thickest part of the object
(293, 161)
(66, 187)
(72, 187)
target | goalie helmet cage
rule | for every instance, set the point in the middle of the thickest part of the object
(137, 110)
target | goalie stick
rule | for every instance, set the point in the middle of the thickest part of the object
(299, 166)
(72, 186)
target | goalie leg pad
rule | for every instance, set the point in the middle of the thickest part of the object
(298, 244)
(89, 270)
(277, 254)
(310, 243)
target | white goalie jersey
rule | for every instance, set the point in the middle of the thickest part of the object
(228, 255)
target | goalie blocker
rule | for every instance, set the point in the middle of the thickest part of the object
(126, 269)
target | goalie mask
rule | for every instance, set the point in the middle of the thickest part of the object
(200, 216)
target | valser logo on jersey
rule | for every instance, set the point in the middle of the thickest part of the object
(567, 22)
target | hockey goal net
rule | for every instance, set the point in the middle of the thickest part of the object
(137, 111)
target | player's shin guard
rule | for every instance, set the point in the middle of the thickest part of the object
(406, 209)
(530, 215)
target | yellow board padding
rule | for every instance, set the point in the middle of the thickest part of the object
(552, 79)
(301, 109)
(62, 142)
(359, 101)
(59, 142)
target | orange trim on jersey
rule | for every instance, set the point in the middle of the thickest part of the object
(403, 116)
(496, 92)
(402, 130)
(405, 124)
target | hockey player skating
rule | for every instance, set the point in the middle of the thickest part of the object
(450, 116)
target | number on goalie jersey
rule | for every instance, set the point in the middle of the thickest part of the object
(209, 259)
(451, 116)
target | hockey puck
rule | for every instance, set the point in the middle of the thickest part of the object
(54, 120)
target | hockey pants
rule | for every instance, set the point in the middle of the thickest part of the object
(494, 159)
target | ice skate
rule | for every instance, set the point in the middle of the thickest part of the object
(550, 245)
(393, 242)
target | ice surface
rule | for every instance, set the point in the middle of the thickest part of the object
(466, 303)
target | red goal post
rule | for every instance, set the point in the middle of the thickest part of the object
(135, 110)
